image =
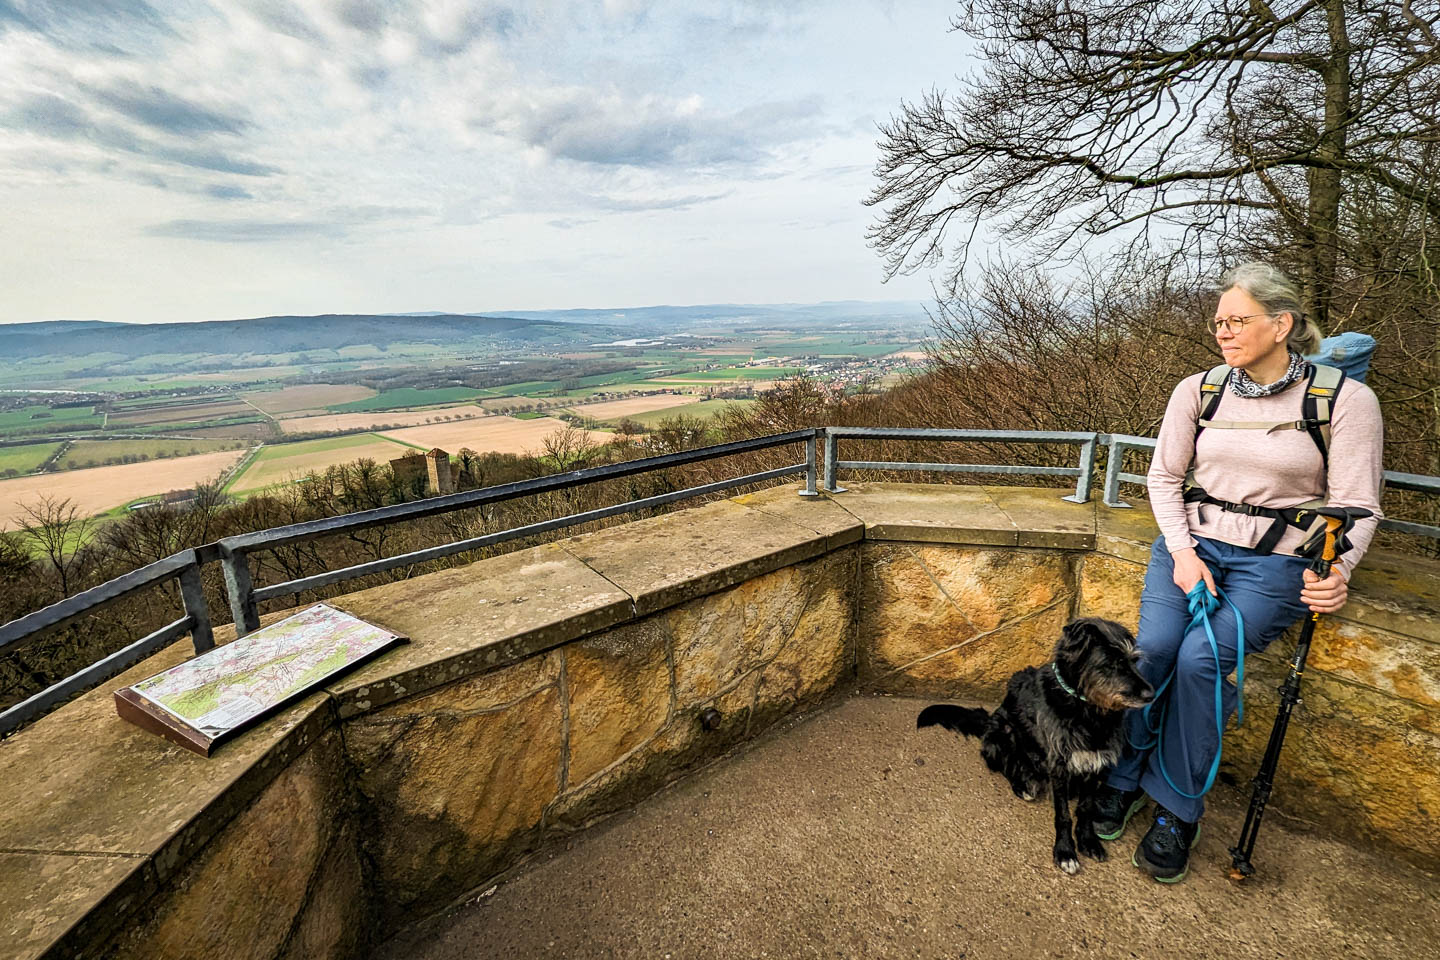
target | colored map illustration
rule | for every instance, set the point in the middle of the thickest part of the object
(223, 688)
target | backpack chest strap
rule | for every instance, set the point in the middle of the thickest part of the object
(1266, 425)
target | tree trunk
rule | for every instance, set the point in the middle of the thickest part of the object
(1325, 180)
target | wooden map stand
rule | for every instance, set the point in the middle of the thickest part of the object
(141, 712)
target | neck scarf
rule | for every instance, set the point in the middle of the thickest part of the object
(1243, 386)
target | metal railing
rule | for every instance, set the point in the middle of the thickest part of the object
(1119, 443)
(1082, 473)
(233, 553)
(183, 566)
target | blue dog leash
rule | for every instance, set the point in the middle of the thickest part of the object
(1201, 604)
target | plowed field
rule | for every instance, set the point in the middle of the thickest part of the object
(103, 488)
(488, 434)
(369, 421)
(615, 409)
(306, 396)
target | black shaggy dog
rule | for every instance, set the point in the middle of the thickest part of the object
(1060, 725)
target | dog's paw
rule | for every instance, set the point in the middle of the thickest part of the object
(1028, 797)
(1093, 848)
(1067, 863)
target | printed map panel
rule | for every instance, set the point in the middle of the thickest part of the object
(224, 688)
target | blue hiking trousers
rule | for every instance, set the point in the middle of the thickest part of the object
(1266, 589)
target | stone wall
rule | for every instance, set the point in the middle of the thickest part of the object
(466, 779)
(548, 688)
(285, 874)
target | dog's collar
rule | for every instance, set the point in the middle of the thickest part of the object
(1055, 669)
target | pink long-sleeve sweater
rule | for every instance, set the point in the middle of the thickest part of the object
(1281, 468)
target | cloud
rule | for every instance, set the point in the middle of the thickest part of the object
(638, 204)
(287, 19)
(225, 191)
(608, 128)
(332, 224)
(165, 111)
(86, 24)
(61, 119)
(207, 160)
(244, 231)
(367, 16)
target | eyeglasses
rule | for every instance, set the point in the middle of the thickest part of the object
(1232, 324)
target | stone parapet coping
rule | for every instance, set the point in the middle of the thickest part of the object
(95, 814)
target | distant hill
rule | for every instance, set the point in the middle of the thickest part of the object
(276, 335)
(670, 319)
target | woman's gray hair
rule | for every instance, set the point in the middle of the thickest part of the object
(1276, 293)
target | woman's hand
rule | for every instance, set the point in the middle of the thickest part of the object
(1324, 596)
(1190, 570)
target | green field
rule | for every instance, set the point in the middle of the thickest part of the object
(186, 426)
(279, 462)
(167, 401)
(39, 418)
(828, 347)
(25, 458)
(409, 397)
(90, 453)
(734, 373)
(705, 408)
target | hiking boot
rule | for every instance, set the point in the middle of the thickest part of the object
(1164, 852)
(1113, 810)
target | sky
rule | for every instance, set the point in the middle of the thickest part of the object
(200, 160)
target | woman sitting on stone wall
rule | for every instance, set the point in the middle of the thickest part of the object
(1251, 458)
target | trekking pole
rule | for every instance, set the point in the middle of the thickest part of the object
(1338, 520)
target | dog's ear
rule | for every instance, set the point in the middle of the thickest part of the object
(1075, 637)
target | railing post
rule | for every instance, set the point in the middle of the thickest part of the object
(240, 590)
(832, 459)
(809, 490)
(1087, 471)
(1114, 466)
(192, 591)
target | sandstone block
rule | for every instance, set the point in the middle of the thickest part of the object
(1110, 588)
(1350, 764)
(928, 513)
(1043, 519)
(337, 919)
(1390, 662)
(455, 796)
(680, 744)
(752, 653)
(240, 896)
(712, 640)
(722, 636)
(978, 669)
(814, 658)
(63, 902)
(618, 687)
(918, 599)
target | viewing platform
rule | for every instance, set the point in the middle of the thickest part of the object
(848, 833)
(693, 735)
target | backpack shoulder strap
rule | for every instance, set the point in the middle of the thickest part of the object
(1321, 390)
(1211, 389)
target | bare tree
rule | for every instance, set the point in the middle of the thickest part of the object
(1225, 119)
(569, 447)
(60, 533)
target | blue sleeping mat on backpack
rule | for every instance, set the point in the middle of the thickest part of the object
(1348, 351)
